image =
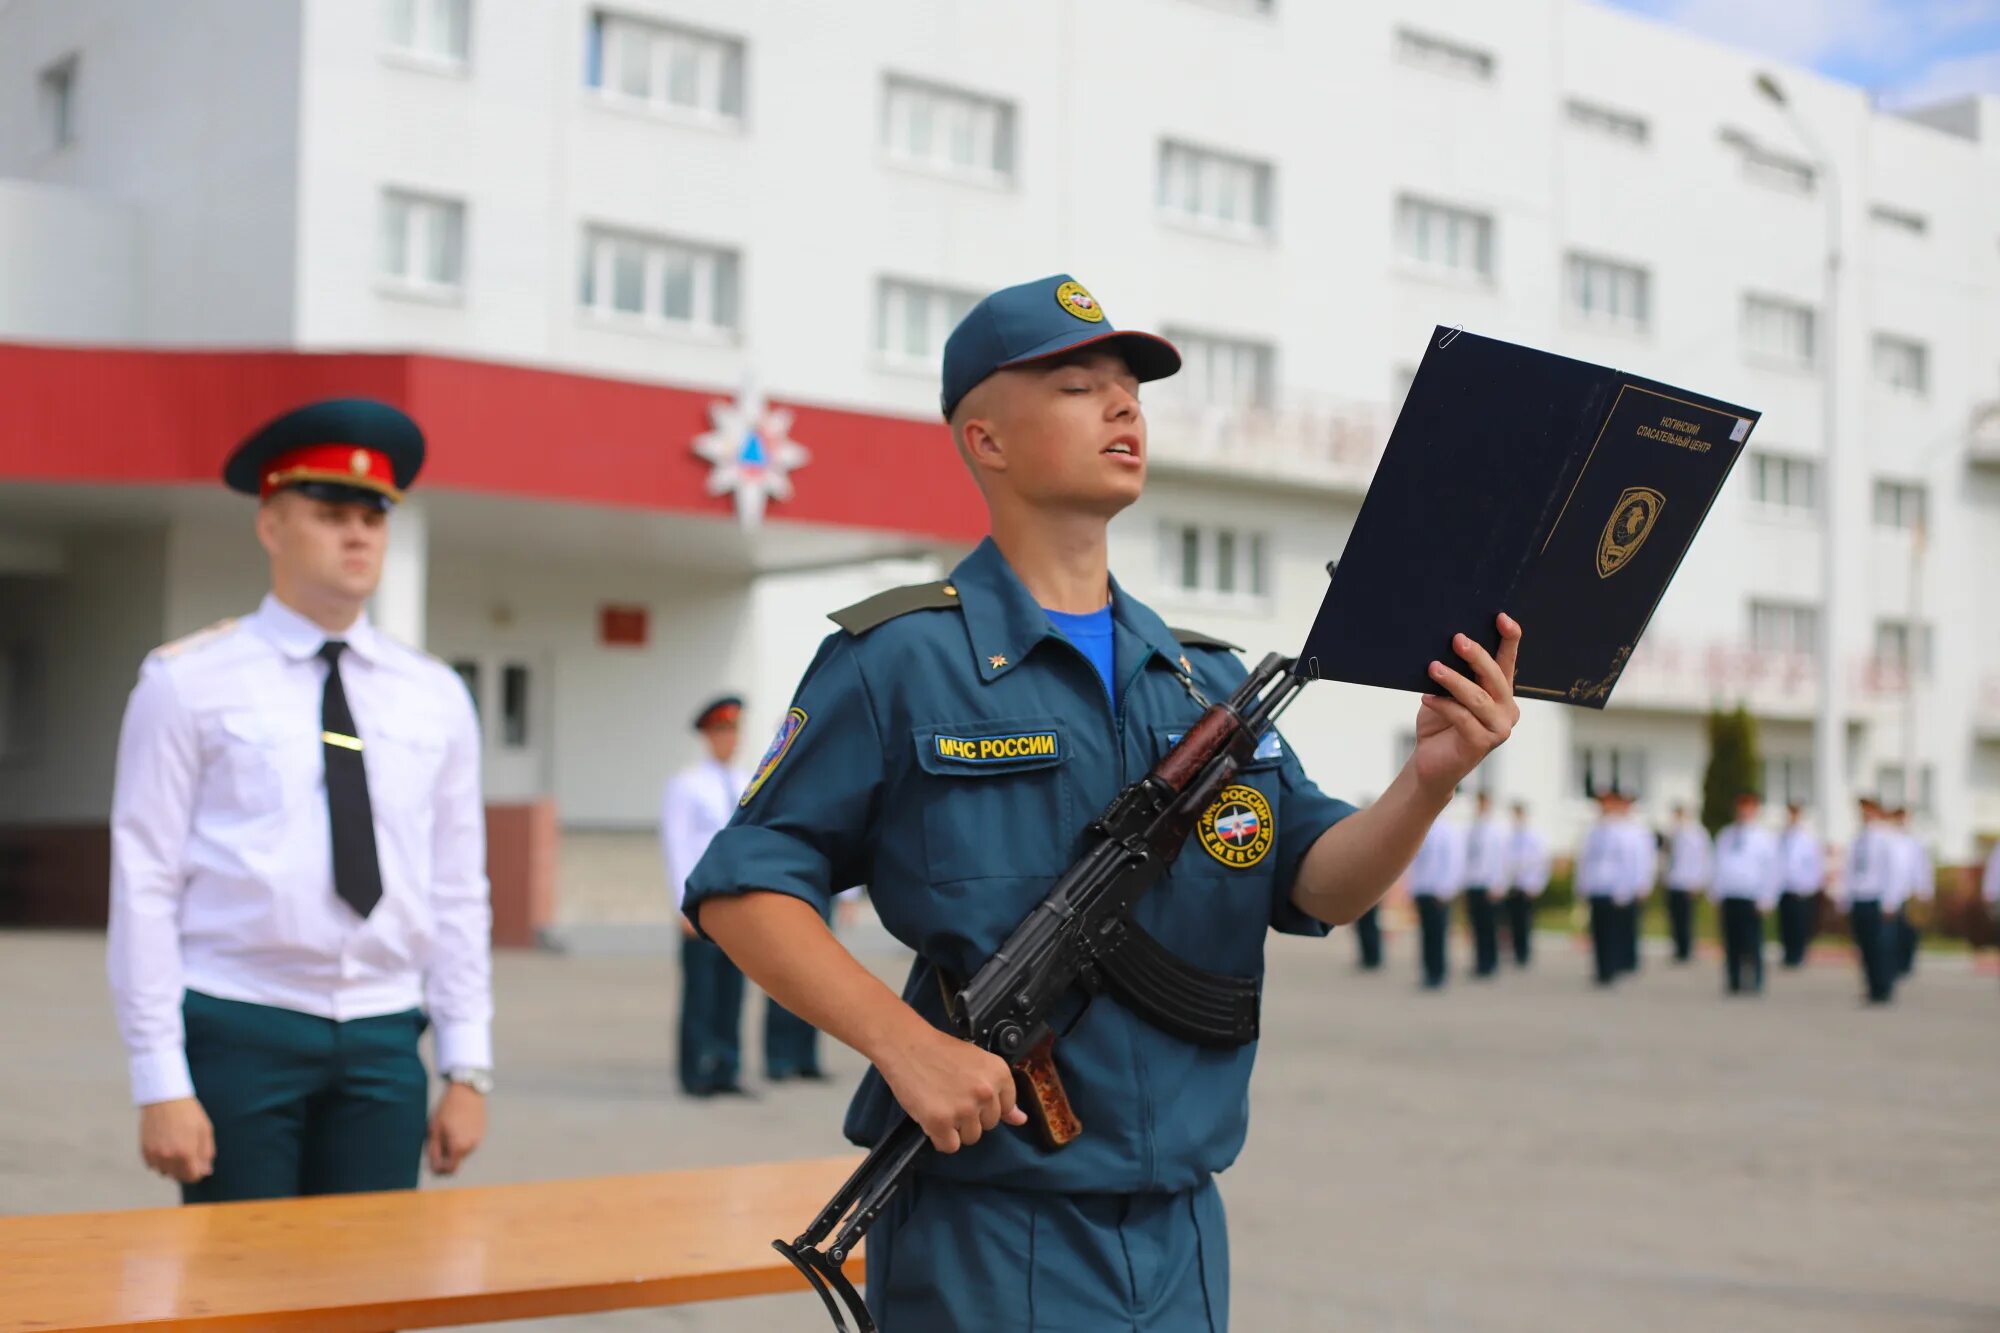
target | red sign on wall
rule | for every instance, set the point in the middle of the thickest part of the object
(621, 626)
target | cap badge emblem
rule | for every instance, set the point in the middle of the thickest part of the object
(1072, 297)
(357, 462)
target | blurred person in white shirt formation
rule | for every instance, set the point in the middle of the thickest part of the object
(1435, 878)
(1485, 878)
(298, 856)
(698, 803)
(1745, 887)
(1869, 889)
(1615, 863)
(1527, 876)
(1690, 864)
(1802, 861)
(1916, 889)
(1989, 890)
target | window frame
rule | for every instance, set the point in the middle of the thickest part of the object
(1883, 346)
(1435, 54)
(1768, 305)
(1792, 470)
(1900, 506)
(728, 73)
(1578, 266)
(1204, 171)
(1199, 352)
(1413, 209)
(1180, 541)
(1608, 122)
(425, 21)
(1002, 134)
(946, 305)
(599, 262)
(422, 210)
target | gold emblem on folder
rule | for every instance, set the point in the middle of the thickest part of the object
(1632, 521)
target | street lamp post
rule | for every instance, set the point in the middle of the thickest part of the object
(1829, 725)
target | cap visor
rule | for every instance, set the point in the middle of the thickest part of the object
(1149, 356)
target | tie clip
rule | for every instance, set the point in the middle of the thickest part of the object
(344, 742)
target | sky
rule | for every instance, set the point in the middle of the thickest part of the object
(1905, 51)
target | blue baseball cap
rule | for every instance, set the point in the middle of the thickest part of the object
(1038, 320)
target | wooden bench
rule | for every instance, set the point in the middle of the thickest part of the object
(359, 1263)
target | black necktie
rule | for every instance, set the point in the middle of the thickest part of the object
(357, 876)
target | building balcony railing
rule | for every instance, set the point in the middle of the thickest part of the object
(1330, 444)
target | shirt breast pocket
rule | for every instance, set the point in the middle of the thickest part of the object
(996, 798)
(253, 759)
(404, 762)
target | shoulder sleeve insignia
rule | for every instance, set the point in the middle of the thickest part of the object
(197, 639)
(885, 606)
(1194, 638)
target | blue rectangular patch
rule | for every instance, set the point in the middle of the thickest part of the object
(1268, 748)
(999, 749)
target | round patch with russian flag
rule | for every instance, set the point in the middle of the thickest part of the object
(788, 731)
(1072, 297)
(1238, 829)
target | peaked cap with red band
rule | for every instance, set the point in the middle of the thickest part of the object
(728, 708)
(348, 450)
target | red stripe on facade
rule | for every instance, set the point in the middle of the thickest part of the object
(101, 415)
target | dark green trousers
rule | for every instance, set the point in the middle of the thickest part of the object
(305, 1105)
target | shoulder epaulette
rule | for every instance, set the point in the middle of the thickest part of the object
(1194, 638)
(195, 640)
(883, 606)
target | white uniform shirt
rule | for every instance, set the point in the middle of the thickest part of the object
(1486, 855)
(1527, 861)
(1915, 875)
(698, 804)
(1746, 864)
(1439, 869)
(222, 865)
(1871, 866)
(1616, 861)
(1690, 857)
(1990, 885)
(1803, 860)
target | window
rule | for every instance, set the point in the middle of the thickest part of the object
(1899, 504)
(467, 671)
(423, 241)
(1775, 171)
(1784, 483)
(1892, 788)
(913, 320)
(1778, 330)
(1603, 120)
(946, 130)
(514, 706)
(1903, 364)
(1890, 218)
(1784, 627)
(1903, 648)
(1601, 768)
(1788, 779)
(1443, 56)
(1222, 372)
(1214, 189)
(1606, 292)
(1438, 236)
(58, 92)
(1225, 564)
(666, 68)
(660, 282)
(431, 30)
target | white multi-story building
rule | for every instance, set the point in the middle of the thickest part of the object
(559, 231)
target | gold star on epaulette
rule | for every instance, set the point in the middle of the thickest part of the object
(997, 661)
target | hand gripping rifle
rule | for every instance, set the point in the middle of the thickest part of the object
(1081, 935)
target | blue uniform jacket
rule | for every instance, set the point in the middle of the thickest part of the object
(950, 760)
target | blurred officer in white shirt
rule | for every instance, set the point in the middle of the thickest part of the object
(1802, 862)
(1616, 860)
(1874, 867)
(1435, 878)
(1527, 876)
(1916, 887)
(1745, 887)
(1690, 863)
(298, 857)
(1485, 878)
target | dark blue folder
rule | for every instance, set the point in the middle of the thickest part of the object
(1561, 492)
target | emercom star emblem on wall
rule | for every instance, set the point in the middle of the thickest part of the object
(751, 453)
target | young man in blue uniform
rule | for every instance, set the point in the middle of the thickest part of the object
(948, 748)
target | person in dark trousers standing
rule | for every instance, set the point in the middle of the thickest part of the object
(298, 856)
(1690, 863)
(1745, 887)
(1803, 863)
(1616, 859)
(1916, 883)
(1870, 879)
(698, 802)
(1527, 877)
(1485, 879)
(1368, 939)
(1435, 879)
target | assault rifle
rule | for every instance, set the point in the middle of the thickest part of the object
(1081, 936)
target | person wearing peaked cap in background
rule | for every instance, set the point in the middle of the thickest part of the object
(1803, 863)
(1745, 887)
(697, 804)
(1436, 876)
(948, 746)
(298, 867)
(1690, 865)
(1869, 883)
(1527, 877)
(1916, 882)
(1485, 881)
(1616, 857)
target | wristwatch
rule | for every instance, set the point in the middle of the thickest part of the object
(479, 1080)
